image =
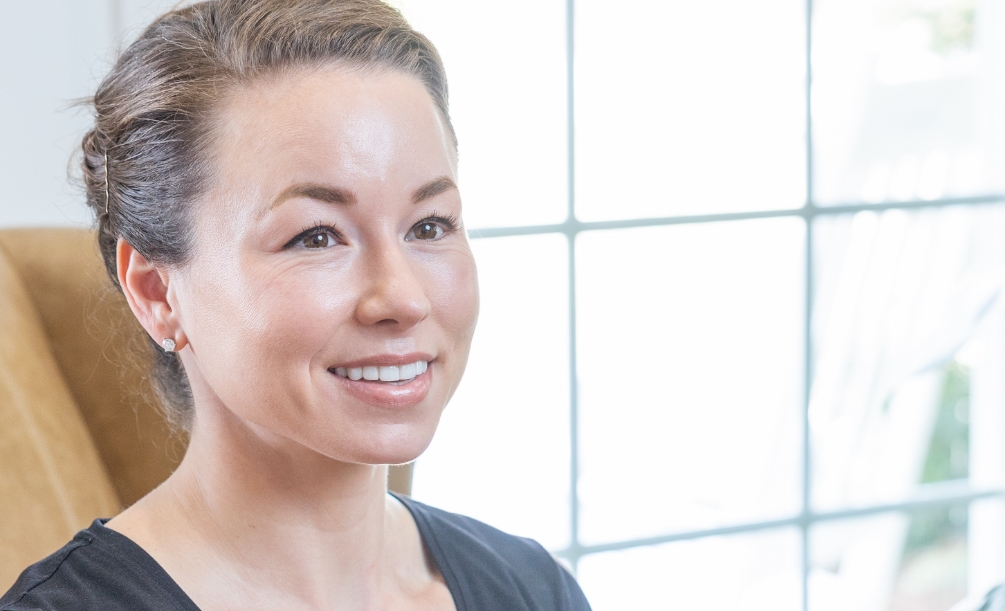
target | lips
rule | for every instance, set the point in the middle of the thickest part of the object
(383, 373)
(388, 381)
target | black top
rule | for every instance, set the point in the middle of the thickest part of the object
(484, 569)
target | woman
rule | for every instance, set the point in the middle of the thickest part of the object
(275, 187)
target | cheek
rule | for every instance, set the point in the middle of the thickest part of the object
(292, 299)
(256, 334)
(453, 294)
(293, 316)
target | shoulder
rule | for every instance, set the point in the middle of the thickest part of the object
(484, 565)
(475, 537)
(44, 575)
(98, 569)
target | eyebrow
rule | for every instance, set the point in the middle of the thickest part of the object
(323, 193)
(336, 195)
(432, 189)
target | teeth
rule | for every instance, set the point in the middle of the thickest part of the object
(384, 373)
(407, 372)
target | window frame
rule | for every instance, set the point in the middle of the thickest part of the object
(940, 494)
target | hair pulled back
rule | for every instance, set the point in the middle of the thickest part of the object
(146, 161)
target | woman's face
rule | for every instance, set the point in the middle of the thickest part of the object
(332, 296)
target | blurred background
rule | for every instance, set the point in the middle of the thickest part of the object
(742, 342)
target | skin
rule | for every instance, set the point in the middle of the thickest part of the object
(281, 501)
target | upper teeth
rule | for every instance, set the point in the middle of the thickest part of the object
(384, 373)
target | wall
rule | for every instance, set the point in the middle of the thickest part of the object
(53, 53)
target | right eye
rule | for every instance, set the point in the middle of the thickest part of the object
(315, 238)
(318, 239)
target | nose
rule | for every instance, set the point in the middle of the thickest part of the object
(394, 293)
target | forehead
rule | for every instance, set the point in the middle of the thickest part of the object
(332, 124)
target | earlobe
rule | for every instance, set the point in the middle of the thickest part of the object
(145, 287)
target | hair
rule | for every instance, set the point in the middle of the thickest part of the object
(147, 160)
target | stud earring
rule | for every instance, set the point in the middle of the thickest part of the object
(168, 344)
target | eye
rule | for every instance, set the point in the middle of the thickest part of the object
(426, 230)
(318, 239)
(315, 238)
(432, 228)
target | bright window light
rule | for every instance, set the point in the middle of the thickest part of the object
(743, 334)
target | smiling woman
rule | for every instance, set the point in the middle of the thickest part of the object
(275, 188)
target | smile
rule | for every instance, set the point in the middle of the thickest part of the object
(383, 373)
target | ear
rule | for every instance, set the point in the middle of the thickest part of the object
(146, 289)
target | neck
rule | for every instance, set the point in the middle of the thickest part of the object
(269, 516)
(252, 478)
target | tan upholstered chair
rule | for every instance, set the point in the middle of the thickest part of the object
(80, 436)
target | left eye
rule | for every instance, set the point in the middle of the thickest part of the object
(425, 230)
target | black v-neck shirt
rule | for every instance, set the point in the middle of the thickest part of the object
(484, 569)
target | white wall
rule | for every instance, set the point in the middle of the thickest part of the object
(53, 52)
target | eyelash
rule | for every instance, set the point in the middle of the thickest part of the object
(448, 221)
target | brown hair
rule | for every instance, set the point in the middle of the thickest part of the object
(146, 160)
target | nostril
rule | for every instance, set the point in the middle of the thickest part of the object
(383, 310)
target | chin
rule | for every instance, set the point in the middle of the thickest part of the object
(390, 445)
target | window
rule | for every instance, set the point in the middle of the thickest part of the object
(742, 335)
